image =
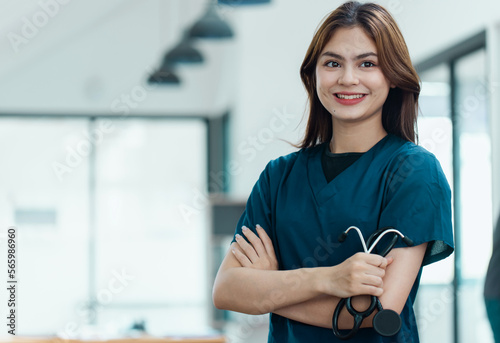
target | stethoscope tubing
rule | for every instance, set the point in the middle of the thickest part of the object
(374, 244)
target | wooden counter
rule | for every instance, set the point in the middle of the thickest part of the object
(20, 339)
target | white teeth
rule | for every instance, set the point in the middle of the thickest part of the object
(343, 96)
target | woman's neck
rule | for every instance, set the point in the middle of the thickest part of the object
(355, 138)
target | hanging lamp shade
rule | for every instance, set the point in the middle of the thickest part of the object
(184, 52)
(243, 2)
(211, 26)
(164, 76)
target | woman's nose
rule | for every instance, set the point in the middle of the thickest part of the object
(348, 77)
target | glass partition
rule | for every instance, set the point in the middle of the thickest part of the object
(454, 126)
(475, 189)
(434, 308)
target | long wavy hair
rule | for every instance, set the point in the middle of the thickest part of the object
(399, 112)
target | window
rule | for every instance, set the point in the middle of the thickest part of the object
(97, 204)
(454, 82)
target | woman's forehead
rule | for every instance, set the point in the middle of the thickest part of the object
(351, 41)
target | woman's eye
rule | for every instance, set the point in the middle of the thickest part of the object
(332, 64)
(367, 64)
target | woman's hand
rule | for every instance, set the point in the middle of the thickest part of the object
(360, 274)
(259, 254)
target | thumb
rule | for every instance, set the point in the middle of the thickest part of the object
(390, 259)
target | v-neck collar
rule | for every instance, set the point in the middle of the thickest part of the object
(324, 191)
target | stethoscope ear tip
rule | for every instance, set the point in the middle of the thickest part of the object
(408, 241)
(342, 237)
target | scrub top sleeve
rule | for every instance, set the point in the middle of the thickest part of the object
(258, 209)
(418, 203)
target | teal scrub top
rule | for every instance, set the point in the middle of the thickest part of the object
(396, 183)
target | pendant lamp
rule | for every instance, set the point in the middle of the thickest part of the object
(184, 52)
(211, 25)
(243, 2)
(164, 76)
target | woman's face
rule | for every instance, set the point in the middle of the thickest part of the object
(349, 81)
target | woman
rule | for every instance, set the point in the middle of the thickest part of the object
(491, 290)
(357, 165)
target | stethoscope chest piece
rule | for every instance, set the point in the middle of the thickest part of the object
(387, 323)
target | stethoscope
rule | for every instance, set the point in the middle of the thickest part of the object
(385, 322)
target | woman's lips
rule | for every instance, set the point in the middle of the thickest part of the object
(349, 98)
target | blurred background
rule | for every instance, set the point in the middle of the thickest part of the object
(132, 132)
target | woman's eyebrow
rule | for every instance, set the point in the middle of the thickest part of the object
(341, 58)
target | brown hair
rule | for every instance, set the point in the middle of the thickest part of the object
(399, 112)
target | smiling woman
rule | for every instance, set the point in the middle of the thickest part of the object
(358, 165)
(373, 29)
(356, 79)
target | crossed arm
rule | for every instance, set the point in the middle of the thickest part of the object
(249, 281)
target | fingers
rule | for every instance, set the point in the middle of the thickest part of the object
(365, 273)
(247, 249)
(390, 259)
(372, 280)
(373, 260)
(368, 285)
(365, 279)
(372, 290)
(255, 241)
(242, 258)
(268, 244)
